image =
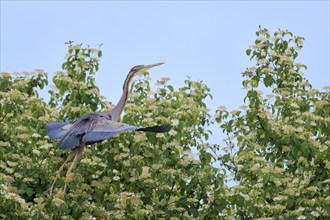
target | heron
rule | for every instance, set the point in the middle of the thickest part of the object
(96, 127)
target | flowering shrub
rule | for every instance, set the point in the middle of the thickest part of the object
(277, 146)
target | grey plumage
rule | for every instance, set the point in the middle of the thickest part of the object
(56, 130)
(92, 128)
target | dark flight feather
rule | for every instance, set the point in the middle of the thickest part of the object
(93, 128)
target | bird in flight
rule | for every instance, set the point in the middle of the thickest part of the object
(96, 127)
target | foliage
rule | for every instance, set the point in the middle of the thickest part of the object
(75, 90)
(277, 146)
(133, 175)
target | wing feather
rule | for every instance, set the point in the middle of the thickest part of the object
(57, 130)
(92, 128)
(72, 138)
(70, 141)
(106, 129)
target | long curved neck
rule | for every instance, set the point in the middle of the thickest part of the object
(118, 109)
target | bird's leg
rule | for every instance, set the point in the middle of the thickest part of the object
(78, 153)
(50, 190)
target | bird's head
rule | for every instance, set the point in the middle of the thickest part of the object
(142, 68)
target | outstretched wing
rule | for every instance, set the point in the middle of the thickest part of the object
(108, 128)
(57, 130)
(73, 137)
(105, 129)
(92, 128)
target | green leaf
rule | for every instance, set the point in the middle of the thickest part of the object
(265, 179)
(285, 45)
(268, 80)
(170, 88)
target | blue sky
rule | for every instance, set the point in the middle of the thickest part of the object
(205, 40)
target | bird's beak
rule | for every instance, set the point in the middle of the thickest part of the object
(153, 65)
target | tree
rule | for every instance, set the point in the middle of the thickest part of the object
(277, 146)
(133, 175)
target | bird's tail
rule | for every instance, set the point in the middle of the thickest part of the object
(157, 129)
